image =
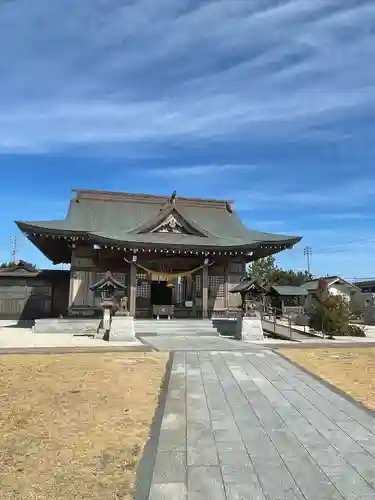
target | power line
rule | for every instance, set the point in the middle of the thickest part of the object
(344, 249)
(360, 243)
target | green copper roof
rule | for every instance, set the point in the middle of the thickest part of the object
(285, 290)
(243, 287)
(124, 219)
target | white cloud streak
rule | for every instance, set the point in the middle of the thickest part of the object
(339, 195)
(200, 170)
(155, 71)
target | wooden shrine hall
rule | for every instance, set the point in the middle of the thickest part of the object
(176, 254)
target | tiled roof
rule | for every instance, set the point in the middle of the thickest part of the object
(285, 290)
(121, 219)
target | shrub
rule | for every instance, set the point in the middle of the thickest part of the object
(331, 316)
(356, 331)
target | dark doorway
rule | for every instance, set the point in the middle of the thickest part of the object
(161, 294)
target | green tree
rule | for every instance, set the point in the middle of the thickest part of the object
(290, 277)
(263, 269)
(267, 272)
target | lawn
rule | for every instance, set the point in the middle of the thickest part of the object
(73, 426)
(351, 370)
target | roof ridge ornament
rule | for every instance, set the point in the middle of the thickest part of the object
(170, 225)
(172, 199)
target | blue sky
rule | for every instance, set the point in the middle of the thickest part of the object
(270, 103)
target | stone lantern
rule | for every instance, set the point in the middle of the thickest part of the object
(108, 287)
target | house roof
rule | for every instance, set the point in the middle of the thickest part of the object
(284, 290)
(365, 283)
(20, 268)
(331, 280)
(25, 270)
(114, 218)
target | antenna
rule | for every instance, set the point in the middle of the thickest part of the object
(308, 252)
(13, 240)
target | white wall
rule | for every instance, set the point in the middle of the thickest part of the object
(343, 290)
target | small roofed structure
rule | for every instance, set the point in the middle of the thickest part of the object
(108, 285)
(288, 299)
(250, 290)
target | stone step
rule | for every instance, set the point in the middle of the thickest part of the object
(212, 333)
(184, 327)
(172, 322)
(151, 328)
(173, 327)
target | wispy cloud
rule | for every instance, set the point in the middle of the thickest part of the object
(146, 71)
(340, 194)
(347, 216)
(200, 170)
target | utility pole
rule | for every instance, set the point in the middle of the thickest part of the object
(308, 252)
(13, 240)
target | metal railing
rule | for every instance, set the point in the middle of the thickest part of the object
(270, 315)
(288, 330)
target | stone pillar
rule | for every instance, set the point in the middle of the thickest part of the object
(133, 289)
(205, 291)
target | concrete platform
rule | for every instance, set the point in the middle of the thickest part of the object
(24, 338)
(80, 326)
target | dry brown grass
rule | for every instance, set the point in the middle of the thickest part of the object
(351, 370)
(73, 426)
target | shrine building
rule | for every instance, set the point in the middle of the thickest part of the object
(182, 253)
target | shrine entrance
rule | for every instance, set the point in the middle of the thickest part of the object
(161, 294)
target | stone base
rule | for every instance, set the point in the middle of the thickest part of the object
(78, 326)
(122, 329)
(251, 329)
(226, 326)
(83, 311)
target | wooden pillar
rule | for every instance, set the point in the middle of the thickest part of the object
(133, 289)
(205, 291)
(91, 293)
(76, 295)
(226, 288)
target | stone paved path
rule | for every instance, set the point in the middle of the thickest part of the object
(195, 343)
(251, 426)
